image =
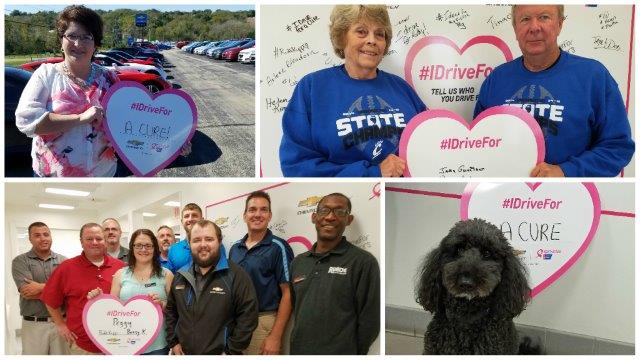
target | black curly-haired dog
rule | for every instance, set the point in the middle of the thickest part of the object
(474, 285)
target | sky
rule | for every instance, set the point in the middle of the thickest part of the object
(182, 7)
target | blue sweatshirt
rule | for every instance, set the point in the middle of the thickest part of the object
(578, 106)
(338, 126)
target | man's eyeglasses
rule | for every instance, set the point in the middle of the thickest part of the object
(143, 246)
(79, 38)
(324, 211)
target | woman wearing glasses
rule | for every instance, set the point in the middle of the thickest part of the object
(60, 106)
(347, 120)
(145, 276)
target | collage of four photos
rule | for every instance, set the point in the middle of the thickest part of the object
(350, 179)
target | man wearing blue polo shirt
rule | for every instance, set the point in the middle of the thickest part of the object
(266, 258)
(180, 253)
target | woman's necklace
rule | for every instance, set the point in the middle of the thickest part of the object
(142, 277)
(84, 85)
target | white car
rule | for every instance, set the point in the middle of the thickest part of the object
(112, 63)
(201, 49)
(247, 55)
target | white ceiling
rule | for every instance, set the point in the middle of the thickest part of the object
(101, 196)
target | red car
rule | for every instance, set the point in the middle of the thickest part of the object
(232, 54)
(146, 45)
(32, 66)
(152, 82)
(182, 43)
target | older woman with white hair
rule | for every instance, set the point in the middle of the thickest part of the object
(347, 120)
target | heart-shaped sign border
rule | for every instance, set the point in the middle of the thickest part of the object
(124, 84)
(595, 198)
(496, 110)
(442, 40)
(88, 305)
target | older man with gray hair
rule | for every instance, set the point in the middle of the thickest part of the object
(575, 100)
(113, 232)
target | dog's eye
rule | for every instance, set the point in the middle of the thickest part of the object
(486, 254)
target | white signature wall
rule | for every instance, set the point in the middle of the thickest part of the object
(294, 41)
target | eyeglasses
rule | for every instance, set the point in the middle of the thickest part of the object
(143, 246)
(324, 211)
(79, 38)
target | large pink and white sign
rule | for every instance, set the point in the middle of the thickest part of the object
(148, 130)
(549, 225)
(449, 76)
(122, 328)
(501, 141)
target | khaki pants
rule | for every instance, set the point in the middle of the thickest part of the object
(77, 350)
(265, 324)
(42, 338)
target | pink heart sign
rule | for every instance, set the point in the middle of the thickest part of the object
(501, 141)
(148, 130)
(549, 225)
(447, 76)
(122, 328)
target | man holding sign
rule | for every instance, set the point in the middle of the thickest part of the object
(71, 283)
(575, 100)
(212, 307)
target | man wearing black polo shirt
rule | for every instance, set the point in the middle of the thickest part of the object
(266, 258)
(336, 288)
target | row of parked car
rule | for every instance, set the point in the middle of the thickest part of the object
(140, 64)
(243, 50)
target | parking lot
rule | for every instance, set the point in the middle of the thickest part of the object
(224, 94)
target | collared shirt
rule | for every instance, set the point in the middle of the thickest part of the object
(122, 254)
(268, 265)
(30, 266)
(336, 297)
(69, 285)
(164, 262)
(202, 279)
(179, 255)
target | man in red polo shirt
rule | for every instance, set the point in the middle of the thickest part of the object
(71, 282)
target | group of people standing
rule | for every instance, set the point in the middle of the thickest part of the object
(212, 304)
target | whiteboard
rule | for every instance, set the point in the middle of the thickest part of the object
(294, 41)
(292, 205)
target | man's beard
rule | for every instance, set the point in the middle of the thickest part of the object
(210, 261)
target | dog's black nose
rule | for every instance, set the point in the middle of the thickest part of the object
(465, 281)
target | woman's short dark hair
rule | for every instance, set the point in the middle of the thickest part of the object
(157, 268)
(89, 19)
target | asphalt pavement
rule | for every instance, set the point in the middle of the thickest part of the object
(224, 94)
